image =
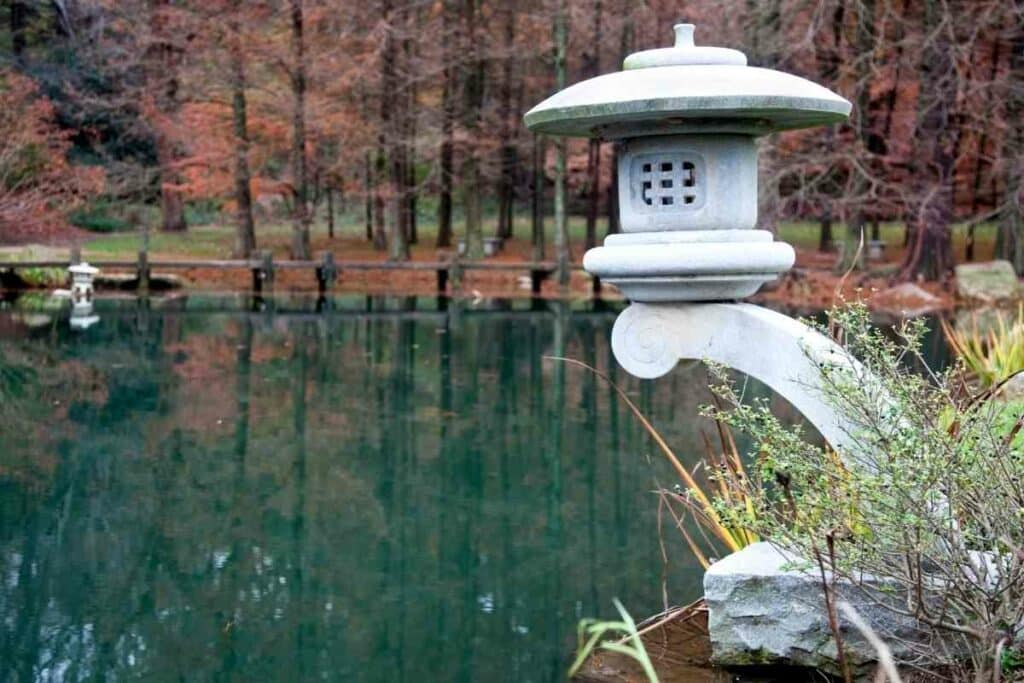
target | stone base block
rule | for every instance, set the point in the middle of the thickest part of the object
(764, 609)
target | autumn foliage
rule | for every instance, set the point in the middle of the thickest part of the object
(411, 112)
(37, 183)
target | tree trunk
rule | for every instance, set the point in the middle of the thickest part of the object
(828, 58)
(507, 177)
(444, 205)
(625, 47)
(165, 57)
(473, 84)
(537, 199)
(594, 148)
(613, 191)
(409, 186)
(330, 212)
(245, 231)
(825, 234)
(300, 207)
(391, 130)
(1010, 241)
(18, 20)
(593, 191)
(978, 162)
(930, 254)
(852, 255)
(561, 217)
(368, 196)
(1010, 238)
(172, 206)
(409, 192)
(447, 168)
(380, 221)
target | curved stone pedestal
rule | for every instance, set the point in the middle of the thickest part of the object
(787, 355)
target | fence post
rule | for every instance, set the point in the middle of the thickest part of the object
(267, 268)
(455, 273)
(537, 276)
(442, 280)
(326, 272)
(257, 280)
(142, 271)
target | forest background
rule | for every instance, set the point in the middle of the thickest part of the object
(405, 117)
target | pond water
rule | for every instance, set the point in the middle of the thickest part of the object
(372, 489)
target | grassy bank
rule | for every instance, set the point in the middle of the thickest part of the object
(214, 239)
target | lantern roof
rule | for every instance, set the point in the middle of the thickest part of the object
(83, 269)
(686, 89)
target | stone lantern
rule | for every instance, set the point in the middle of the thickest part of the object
(688, 118)
(82, 277)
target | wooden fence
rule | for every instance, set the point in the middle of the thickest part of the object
(326, 269)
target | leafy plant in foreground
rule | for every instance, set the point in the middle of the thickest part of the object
(593, 633)
(928, 498)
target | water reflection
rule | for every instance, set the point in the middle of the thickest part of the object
(381, 490)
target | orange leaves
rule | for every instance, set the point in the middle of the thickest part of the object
(37, 183)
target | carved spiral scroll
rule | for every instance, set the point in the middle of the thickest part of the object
(643, 343)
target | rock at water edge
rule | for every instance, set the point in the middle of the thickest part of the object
(989, 281)
(767, 608)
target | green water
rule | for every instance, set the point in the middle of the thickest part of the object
(390, 490)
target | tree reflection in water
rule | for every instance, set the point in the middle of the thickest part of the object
(385, 490)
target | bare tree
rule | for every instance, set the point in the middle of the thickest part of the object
(561, 217)
(930, 252)
(446, 153)
(164, 60)
(245, 232)
(507, 127)
(300, 205)
(473, 97)
(1010, 242)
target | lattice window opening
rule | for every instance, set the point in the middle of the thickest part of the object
(668, 183)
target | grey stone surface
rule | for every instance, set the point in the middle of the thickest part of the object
(1013, 390)
(687, 89)
(906, 300)
(989, 281)
(785, 354)
(766, 608)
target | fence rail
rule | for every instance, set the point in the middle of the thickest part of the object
(326, 269)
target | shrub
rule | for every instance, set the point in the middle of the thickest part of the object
(99, 216)
(203, 212)
(928, 499)
(992, 356)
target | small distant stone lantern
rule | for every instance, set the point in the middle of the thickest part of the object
(689, 118)
(82, 276)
